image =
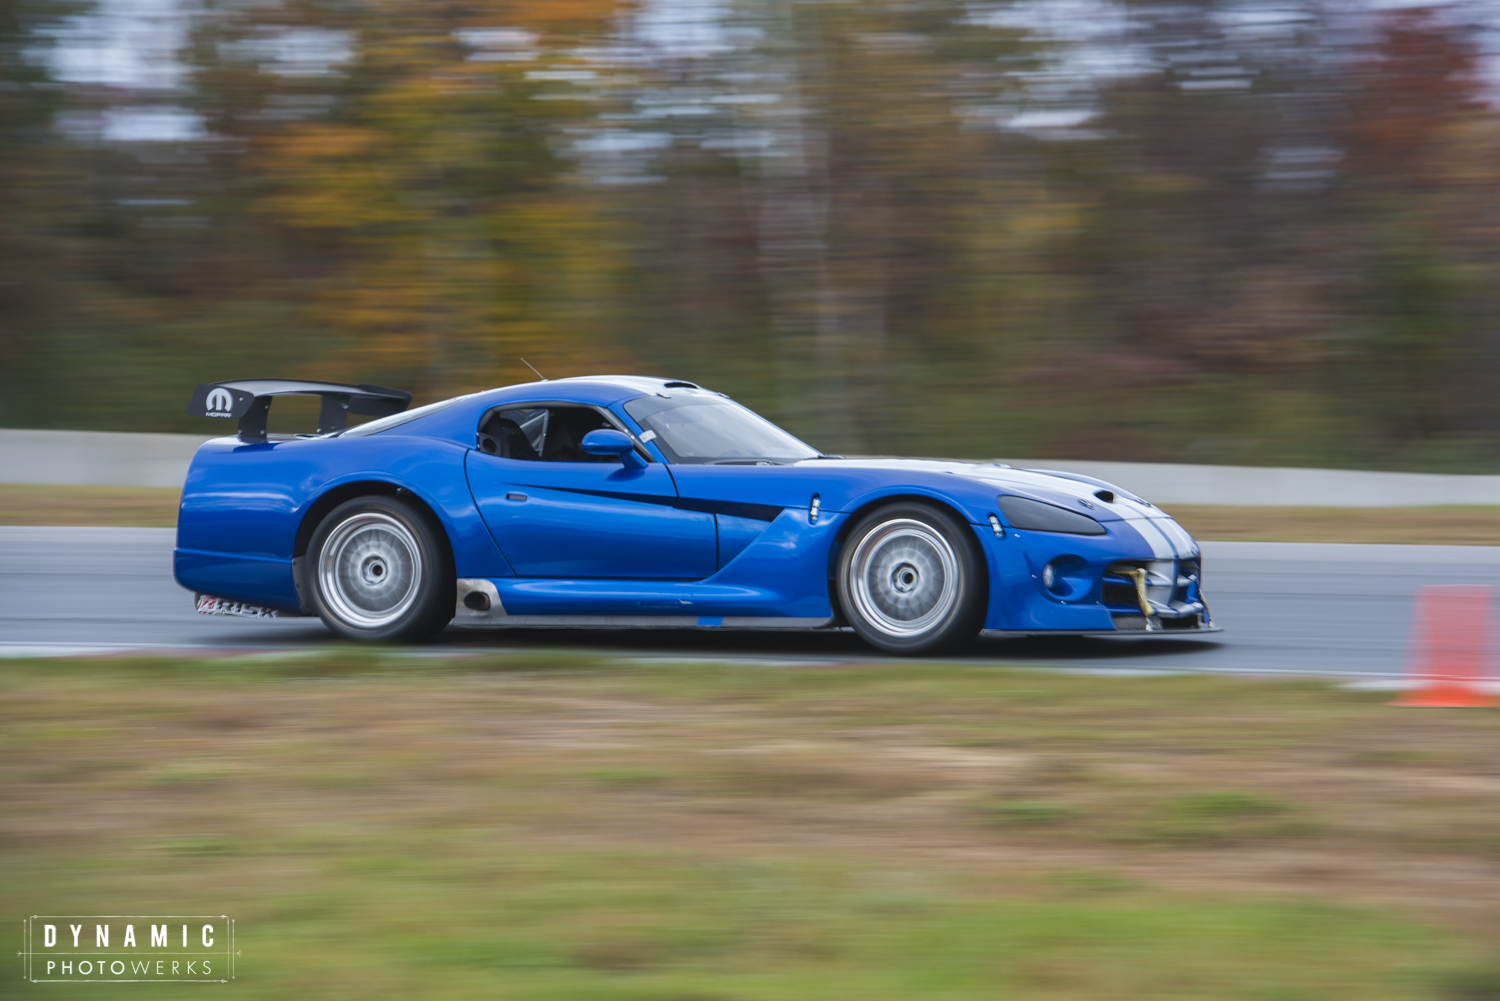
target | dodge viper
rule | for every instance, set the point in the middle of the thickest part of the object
(619, 501)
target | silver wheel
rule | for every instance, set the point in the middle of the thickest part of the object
(903, 577)
(370, 570)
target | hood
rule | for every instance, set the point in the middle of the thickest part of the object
(1073, 491)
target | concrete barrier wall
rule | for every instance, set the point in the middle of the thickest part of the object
(161, 460)
(102, 458)
(1162, 483)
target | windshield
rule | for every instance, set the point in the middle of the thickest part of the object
(700, 428)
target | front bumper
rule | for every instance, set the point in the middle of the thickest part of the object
(1156, 625)
(1156, 596)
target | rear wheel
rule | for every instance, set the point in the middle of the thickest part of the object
(911, 579)
(379, 570)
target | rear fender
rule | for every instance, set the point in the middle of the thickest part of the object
(246, 508)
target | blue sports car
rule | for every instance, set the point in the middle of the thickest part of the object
(616, 501)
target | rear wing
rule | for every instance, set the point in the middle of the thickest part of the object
(250, 401)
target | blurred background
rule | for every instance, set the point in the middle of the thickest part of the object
(1199, 231)
(1187, 231)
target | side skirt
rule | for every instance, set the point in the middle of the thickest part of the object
(479, 606)
(634, 622)
(1154, 634)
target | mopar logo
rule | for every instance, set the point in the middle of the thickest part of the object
(220, 402)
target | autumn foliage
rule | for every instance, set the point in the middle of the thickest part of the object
(939, 227)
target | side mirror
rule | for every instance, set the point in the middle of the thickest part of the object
(607, 441)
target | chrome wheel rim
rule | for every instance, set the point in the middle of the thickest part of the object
(903, 577)
(370, 569)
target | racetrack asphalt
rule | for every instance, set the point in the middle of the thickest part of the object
(1285, 607)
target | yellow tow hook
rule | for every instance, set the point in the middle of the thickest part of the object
(1139, 576)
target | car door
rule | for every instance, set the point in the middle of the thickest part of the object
(556, 511)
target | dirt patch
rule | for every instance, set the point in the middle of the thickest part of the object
(1434, 526)
(120, 507)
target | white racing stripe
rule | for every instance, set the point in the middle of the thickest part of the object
(1184, 542)
(1161, 546)
(1166, 538)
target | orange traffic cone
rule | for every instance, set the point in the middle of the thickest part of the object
(1452, 646)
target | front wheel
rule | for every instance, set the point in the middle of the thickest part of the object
(911, 580)
(379, 570)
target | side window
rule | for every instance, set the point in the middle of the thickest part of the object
(542, 434)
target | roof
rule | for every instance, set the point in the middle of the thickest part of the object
(601, 390)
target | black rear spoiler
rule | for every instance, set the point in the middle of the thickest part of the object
(250, 401)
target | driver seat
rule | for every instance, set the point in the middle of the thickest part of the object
(512, 441)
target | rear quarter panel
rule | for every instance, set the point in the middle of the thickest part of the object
(243, 503)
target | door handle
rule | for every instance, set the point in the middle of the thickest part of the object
(515, 497)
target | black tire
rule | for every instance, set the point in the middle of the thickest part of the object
(378, 569)
(911, 579)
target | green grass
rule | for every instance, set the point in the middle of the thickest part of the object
(1223, 818)
(442, 917)
(512, 827)
(1031, 813)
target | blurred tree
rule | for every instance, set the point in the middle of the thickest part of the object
(36, 182)
(1419, 79)
(413, 159)
(1268, 234)
(1274, 250)
(1423, 293)
(1203, 249)
(839, 167)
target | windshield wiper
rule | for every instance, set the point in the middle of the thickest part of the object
(745, 462)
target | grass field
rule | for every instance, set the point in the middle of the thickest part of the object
(151, 507)
(383, 826)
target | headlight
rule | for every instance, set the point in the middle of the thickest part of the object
(1039, 516)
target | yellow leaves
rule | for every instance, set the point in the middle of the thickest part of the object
(547, 16)
(454, 237)
(326, 142)
(327, 177)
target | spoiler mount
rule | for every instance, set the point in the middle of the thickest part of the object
(250, 401)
